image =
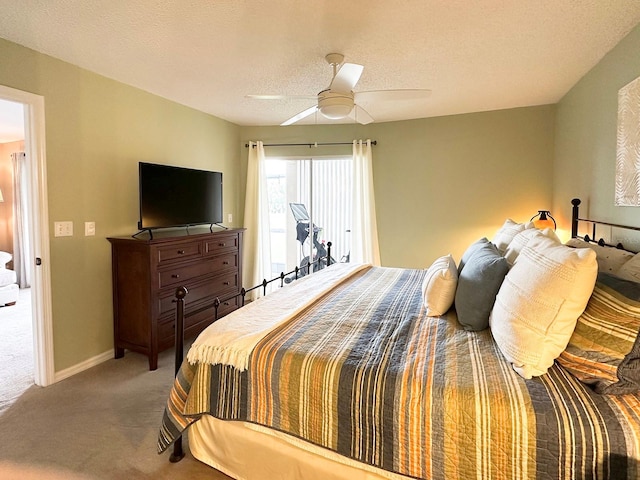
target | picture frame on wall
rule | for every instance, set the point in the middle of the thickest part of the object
(627, 188)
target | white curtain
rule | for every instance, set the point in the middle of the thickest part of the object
(21, 251)
(364, 233)
(256, 264)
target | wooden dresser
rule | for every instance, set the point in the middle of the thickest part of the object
(146, 274)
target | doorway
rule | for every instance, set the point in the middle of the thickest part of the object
(37, 236)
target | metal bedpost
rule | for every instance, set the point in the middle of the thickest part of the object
(328, 253)
(574, 217)
(181, 293)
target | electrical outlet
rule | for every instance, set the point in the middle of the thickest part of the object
(89, 229)
(63, 229)
(230, 218)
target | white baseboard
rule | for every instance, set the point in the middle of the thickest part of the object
(81, 367)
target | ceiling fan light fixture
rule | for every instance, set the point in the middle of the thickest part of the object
(334, 107)
(335, 112)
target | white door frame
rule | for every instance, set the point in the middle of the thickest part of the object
(38, 218)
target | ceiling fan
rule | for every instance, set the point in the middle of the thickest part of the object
(340, 101)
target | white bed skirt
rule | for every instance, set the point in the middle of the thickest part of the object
(249, 452)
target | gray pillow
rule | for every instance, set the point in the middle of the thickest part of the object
(470, 251)
(478, 285)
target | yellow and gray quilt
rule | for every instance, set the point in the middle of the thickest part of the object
(365, 373)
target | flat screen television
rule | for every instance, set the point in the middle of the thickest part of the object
(177, 197)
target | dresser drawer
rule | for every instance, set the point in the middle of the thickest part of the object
(201, 293)
(179, 251)
(225, 283)
(167, 327)
(221, 243)
(193, 325)
(229, 306)
(179, 274)
(225, 261)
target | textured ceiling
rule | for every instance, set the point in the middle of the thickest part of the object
(208, 54)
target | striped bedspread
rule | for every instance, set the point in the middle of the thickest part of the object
(365, 373)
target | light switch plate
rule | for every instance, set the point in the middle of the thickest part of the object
(63, 229)
(89, 229)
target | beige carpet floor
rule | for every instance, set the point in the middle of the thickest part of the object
(98, 424)
(16, 349)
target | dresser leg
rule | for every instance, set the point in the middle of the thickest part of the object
(153, 362)
(119, 352)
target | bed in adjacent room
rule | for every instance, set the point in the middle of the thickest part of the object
(518, 362)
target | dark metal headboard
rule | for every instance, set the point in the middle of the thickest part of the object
(575, 219)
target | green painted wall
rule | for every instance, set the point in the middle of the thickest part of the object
(97, 130)
(442, 183)
(586, 136)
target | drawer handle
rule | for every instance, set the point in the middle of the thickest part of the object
(225, 263)
(222, 244)
(225, 283)
(180, 252)
(226, 304)
(175, 275)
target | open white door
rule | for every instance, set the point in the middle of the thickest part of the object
(38, 232)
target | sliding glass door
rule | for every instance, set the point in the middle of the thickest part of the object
(308, 191)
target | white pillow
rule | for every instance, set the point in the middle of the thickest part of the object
(439, 286)
(507, 232)
(610, 259)
(5, 257)
(539, 303)
(522, 239)
(631, 269)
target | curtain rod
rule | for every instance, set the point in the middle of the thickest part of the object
(310, 145)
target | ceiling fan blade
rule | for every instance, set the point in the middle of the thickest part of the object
(346, 78)
(282, 97)
(360, 115)
(392, 95)
(300, 116)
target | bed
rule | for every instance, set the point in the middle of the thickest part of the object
(365, 372)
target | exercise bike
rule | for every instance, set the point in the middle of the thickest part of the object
(318, 249)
